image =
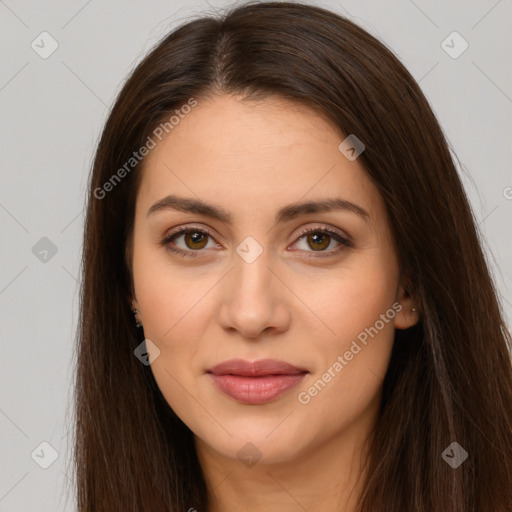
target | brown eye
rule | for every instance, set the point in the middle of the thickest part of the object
(317, 240)
(194, 240)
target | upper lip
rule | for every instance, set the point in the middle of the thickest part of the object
(255, 368)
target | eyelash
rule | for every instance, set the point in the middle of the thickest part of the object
(343, 240)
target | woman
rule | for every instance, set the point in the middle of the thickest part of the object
(285, 304)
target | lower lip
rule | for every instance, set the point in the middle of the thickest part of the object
(256, 390)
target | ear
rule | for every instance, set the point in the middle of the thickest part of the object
(406, 318)
(135, 307)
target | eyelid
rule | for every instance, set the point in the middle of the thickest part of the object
(344, 240)
(185, 229)
(322, 227)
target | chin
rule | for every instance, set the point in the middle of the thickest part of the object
(251, 448)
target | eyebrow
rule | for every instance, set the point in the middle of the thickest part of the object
(289, 212)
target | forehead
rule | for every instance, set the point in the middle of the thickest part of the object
(249, 154)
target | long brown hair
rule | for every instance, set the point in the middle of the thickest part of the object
(449, 378)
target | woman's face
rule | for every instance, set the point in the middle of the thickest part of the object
(247, 283)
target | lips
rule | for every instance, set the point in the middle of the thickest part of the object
(255, 368)
(255, 382)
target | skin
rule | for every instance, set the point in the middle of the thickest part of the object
(252, 159)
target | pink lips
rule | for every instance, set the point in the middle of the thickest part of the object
(255, 382)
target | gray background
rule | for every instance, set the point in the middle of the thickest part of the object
(52, 112)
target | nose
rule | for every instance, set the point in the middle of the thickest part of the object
(255, 301)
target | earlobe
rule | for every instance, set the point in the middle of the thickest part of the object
(136, 313)
(407, 317)
(409, 314)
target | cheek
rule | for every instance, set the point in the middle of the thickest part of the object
(170, 297)
(173, 303)
(353, 300)
(357, 307)
(174, 307)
